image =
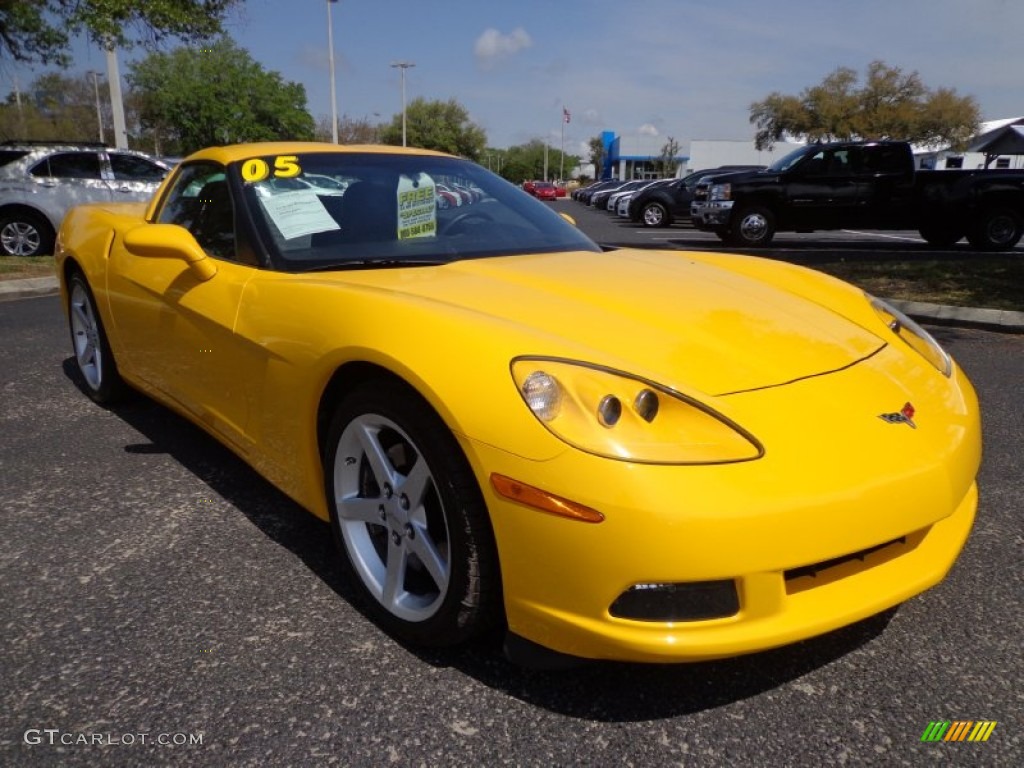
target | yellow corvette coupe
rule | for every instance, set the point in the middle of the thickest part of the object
(652, 456)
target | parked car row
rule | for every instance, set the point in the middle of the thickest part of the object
(652, 203)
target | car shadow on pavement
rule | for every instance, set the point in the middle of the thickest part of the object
(623, 692)
(600, 691)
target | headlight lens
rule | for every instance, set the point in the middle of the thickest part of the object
(914, 335)
(720, 192)
(619, 416)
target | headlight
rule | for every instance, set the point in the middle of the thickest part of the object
(914, 335)
(720, 192)
(619, 416)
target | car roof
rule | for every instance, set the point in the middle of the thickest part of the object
(234, 152)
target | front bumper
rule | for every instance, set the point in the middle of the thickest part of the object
(710, 216)
(831, 526)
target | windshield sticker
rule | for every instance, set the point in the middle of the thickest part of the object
(298, 213)
(257, 169)
(417, 209)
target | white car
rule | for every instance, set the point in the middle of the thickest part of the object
(41, 181)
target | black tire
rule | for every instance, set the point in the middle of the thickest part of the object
(753, 226)
(996, 229)
(655, 215)
(409, 519)
(940, 235)
(95, 362)
(25, 233)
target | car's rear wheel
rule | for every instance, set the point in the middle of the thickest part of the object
(93, 357)
(996, 229)
(409, 518)
(24, 233)
(753, 226)
(939, 235)
(655, 215)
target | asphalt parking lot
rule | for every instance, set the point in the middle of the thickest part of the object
(807, 248)
(161, 604)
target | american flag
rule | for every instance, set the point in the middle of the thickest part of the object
(565, 114)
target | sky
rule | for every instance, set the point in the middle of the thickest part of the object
(645, 69)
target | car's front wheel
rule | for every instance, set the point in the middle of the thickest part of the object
(655, 215)
(93, 357)
(24, 233)
(753, 226)
(409, 518)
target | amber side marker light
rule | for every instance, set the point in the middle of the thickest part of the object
(544, 501)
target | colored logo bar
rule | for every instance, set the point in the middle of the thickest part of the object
(958, 730)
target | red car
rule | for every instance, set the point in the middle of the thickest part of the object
(544, 190)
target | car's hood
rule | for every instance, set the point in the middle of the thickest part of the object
(763, 176)
(684, 322)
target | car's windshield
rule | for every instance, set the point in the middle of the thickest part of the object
(786, 162)
(330, 209)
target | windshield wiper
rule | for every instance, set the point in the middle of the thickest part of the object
(373, 263)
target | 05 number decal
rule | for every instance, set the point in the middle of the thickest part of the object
(257, 169)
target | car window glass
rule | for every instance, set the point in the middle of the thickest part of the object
(134, 168)
(882, 158)
(69, 165)
(328, 210)
(200, 201)
(10, 155)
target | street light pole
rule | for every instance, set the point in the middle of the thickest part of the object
(99, 112)
(330, 55)
(116, 101)
(403, 65)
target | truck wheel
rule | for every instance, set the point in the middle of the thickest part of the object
(753, 226)
(940, 235)
(996, 229)
(655, 215)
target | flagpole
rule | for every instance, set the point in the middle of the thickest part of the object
(561, 157)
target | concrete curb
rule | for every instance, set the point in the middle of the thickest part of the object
(28, 288)
(1004, 320)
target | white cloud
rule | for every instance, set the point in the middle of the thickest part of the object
(647, 130)
(492, 46)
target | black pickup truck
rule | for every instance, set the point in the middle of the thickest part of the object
(862, 185)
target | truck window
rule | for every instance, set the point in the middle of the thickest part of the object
(883, 159)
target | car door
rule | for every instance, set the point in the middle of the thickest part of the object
(822, 190)
(887, 195)
(178, 330)
(133, 178)
(62, 180)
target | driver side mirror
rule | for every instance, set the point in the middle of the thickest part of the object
(170, 241)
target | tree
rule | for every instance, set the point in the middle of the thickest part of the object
(440, 125)
(192, 98)
(54, 108)
(526, 161)
(890, 105)
(40, 30)
(350, 130)
(596, 146)
(667, 162)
